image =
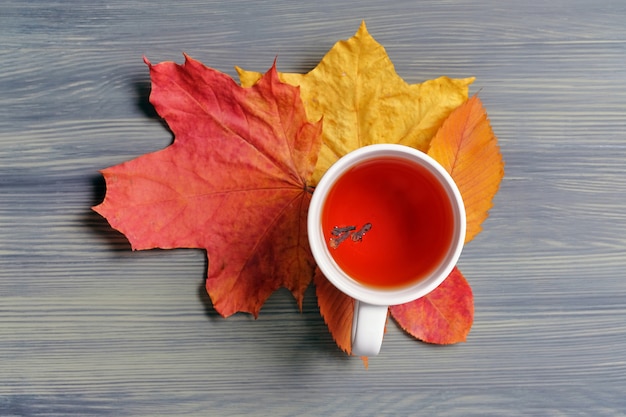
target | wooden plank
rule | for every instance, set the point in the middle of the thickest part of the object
(88, 327)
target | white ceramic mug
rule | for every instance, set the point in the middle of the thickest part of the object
(371, 303)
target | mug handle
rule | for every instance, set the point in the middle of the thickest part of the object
(368, 327)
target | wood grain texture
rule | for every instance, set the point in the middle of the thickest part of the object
(89, 328)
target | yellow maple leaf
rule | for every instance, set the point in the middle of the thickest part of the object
(363, 101)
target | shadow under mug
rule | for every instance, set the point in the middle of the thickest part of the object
(372, 302)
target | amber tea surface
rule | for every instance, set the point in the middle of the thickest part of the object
(388, 222)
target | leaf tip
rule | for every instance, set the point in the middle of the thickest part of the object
(362, 31)
(271, 73)
(274, 68)
(366, 363)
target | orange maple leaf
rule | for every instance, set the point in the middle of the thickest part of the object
(337, 310)
(467, 148)
(235, 182)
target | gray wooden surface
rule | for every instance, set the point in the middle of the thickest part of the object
(89, 328)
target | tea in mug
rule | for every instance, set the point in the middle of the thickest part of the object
(388, 222)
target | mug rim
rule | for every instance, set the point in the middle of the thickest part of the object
(323, 257)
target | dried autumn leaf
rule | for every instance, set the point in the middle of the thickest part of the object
(443, 316)
(468, 149)
(364, 101)
(337, 310)
(234, 182)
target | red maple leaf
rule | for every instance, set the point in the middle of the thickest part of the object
(235, 182)
(443, 316)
